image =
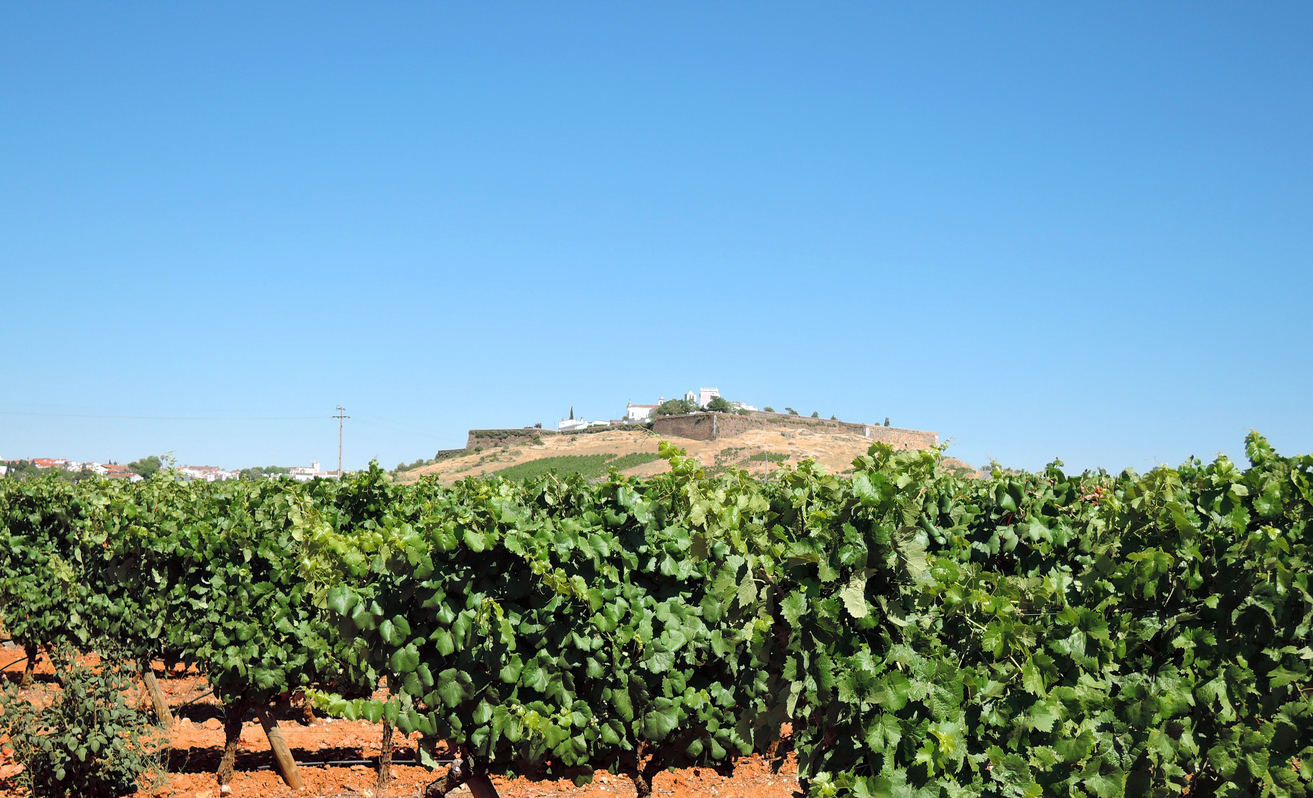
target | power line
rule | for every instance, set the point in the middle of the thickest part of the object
(193, 415)
(341, 416)
(404, 429)
(101, 408)
(406, 424)
(164, 418)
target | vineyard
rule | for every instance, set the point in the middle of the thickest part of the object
(920, 633)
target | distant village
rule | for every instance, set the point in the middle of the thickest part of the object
(204, 473)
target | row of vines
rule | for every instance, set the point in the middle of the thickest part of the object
(924, 633)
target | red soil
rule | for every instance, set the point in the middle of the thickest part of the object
(195, 744)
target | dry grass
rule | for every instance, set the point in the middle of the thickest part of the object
(832, 450)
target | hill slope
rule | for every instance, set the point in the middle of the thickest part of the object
(593, 453)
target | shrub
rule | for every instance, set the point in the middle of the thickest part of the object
(146, 465)
(88, 742)
(675, 407)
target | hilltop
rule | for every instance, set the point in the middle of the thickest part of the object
(634, 449)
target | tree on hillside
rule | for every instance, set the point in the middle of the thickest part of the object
(145, 466)
(816, 414)
(675, 407)
(791, 411)
(768, 409)
(720, 404)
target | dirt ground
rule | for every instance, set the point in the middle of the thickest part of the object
(193, 746)
(834, 451)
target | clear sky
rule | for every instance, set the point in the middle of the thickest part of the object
(1072, 230)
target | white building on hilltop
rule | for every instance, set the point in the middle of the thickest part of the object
(635, 412)
(702, 397)
(576, 424)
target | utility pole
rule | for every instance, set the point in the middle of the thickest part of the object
(341, 416)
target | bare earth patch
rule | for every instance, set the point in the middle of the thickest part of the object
(195, 744)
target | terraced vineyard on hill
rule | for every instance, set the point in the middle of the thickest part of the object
(588, 466)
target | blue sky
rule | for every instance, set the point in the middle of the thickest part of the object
(1043, 230)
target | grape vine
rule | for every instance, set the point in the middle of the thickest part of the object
(924, 633)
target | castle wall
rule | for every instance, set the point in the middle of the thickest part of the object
(520, 436)
(712, 426)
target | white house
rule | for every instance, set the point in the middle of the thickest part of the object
(575, 424)
(635, 412)
(208, 473)
(117, 471)
(304, 473)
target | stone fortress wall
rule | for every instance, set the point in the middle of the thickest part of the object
(707, 426)
(713, 426)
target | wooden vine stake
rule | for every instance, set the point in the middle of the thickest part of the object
(163, 716)
(283, 760)
(385, 757)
